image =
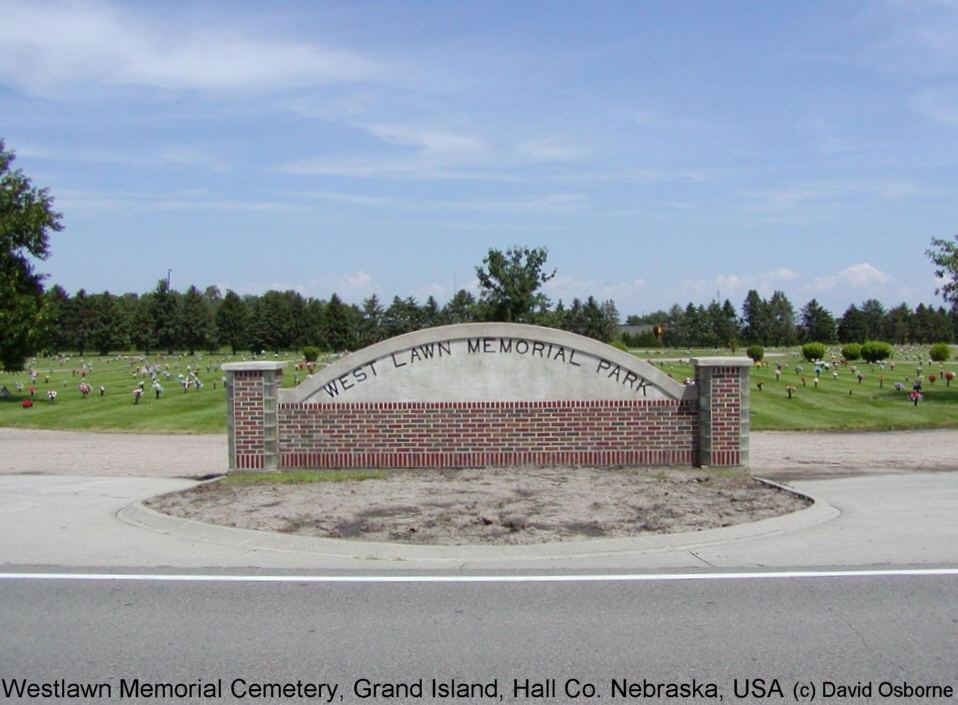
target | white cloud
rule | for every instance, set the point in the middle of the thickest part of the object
(439, 292)
(547, 203)
(358, 280)
(260, 288)
(858, 276)
(731, 286)
(910, 36)
(568, 288)
(50, 47)
(434, 142)
(828, 191)
(133, 202)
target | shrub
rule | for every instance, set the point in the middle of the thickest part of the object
(813, 351)
(940, 352)
(645, 339)
(852, 351)
(618, 344)
(756, 352)
(875, 351)
(311, 353)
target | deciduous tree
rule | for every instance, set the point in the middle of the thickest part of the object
(26, 220)
(944, 254)
(510, 283)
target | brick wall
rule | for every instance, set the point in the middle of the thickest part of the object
(711, 430)
(723, 415)
(248, 445)
(469, 434)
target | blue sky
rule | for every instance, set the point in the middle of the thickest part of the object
(662, 152)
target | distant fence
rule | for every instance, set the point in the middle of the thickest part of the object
(487, 394)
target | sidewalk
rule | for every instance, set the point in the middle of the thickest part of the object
(72, 500)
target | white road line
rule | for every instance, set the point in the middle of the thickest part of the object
(608, 578)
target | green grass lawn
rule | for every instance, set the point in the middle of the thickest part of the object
(837, 403)
(197, 410)
(840, 402)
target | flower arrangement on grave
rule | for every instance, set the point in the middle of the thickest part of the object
(932, 378)
(948, 377)
(157, 388)
(915, 396)
(52, 395)
(101, 389)
(84, 389)
(27, 404)
(137, 393)
(789, 389)
(760, 384)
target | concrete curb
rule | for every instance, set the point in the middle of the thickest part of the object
(138, 515)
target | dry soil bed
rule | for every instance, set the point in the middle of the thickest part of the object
(496, 506)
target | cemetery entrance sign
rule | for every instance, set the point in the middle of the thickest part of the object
(481, 394)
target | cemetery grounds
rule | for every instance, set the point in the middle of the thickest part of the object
(505, 506)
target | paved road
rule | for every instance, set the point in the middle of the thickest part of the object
(747, 635)
(744, 636)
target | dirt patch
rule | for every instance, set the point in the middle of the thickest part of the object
(786, 456)
(490, 506)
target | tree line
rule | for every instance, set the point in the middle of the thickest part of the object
(208, 320)
(167, 320)
(774, 322)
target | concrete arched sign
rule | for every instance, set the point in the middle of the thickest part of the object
(487, 394)
(487, 362)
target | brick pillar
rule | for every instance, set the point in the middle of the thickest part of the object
(723, 411)
(251, 415)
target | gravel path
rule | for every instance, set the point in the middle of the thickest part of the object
(776, 455)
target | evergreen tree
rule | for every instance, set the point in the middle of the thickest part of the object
(340, 325)
(897, 324)
(80, 315)
(430, 313)
(851, 326)
(105, 330)
(873, 320)
(56, 304)
(461, 308)
(371, 326)
(818, 325)
(782, 317)
(142, 333)
(402, 316)
(756, 319)
(164, 316)
(315, 328)
(196, 320)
